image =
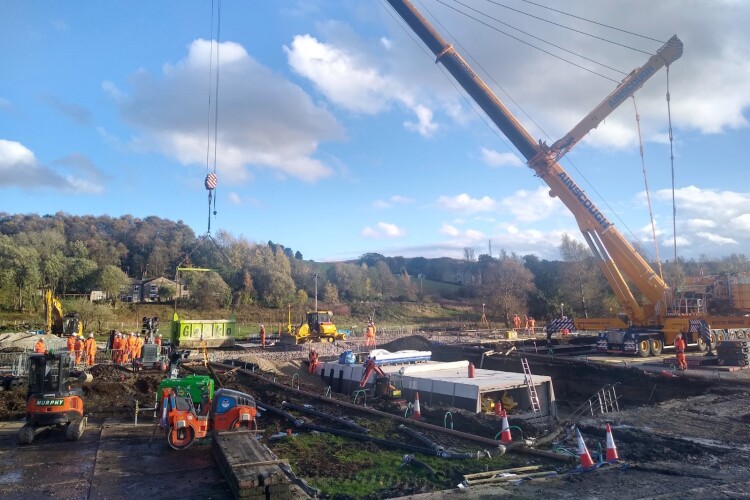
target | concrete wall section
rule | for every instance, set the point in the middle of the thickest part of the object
(447, 384)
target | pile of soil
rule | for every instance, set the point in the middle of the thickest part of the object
(413, 343)
(13, 404)
(116, 390)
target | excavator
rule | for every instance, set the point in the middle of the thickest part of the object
(651, 324)
(54, 397)
(57, 322)
(383, 385)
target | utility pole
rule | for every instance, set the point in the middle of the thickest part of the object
(316, 276)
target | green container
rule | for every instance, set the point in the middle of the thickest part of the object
(197, 386)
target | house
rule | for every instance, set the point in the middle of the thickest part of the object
(147, 290)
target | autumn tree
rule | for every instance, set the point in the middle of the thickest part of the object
(508, 284)
(112, 280)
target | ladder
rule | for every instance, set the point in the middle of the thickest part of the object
(605, 400)
(533, 397)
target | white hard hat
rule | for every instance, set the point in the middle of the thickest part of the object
(158, 335)
(91, 335)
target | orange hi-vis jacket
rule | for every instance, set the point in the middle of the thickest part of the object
(679, 345)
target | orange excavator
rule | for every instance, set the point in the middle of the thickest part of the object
(54, 397)
(184, 423)
(383, 385)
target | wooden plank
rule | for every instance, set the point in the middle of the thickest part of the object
(503, 471)
(250, 468)
(513, 477)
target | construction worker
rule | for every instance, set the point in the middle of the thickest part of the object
(130, 347)
(158, 341)
(532, 325)
(40, 347)
(78, 349)
(525, 324)
(516, 322)
(71, 343)
(679, 347)
(262, 335)
(116, 348)
(89, 347)
(313, 358)
(138, 346)
(370, 335)
(705, 334)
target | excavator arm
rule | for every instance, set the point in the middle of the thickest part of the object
(370, 367)
(617, 259)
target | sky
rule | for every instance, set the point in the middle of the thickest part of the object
(336, 134)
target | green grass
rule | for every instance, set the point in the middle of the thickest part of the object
(343, 468)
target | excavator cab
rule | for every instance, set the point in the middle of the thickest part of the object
(52, 399)
(71, 324)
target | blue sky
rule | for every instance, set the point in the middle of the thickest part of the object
(338, 135)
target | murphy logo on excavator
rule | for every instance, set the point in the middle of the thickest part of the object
(585, 201)
(631, 87)
(50, 402)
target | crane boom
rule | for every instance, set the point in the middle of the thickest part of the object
(666, 55)
(617, 259)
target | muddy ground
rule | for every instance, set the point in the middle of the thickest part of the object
(694, 445)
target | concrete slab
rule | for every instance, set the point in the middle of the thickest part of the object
(113, 459)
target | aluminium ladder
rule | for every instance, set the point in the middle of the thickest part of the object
(533, 397)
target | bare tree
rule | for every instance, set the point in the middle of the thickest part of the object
(508, 284)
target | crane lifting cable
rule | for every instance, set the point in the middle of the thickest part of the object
(645, 182)
(212, 181)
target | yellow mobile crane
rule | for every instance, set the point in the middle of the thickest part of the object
(650, 325)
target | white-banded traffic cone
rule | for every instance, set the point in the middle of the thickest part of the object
(583, 452)
(417, 415)
(505, 436)
(612, 455)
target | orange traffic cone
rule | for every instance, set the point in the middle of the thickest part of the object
(583, 452)
(505, 436)
(612, 455)
(417, 412)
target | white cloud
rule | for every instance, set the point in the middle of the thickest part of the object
(530, 206)
(348, 79)
(234, 198)
(708, 218)
(696, 224)
(19, 167)
(266, 122)
(449, 230)
(393, 200)
(496, 159)
(473, 234)
(383, 230)
(465, 203)
(716, 238)
(424, 126)
(742, 222)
